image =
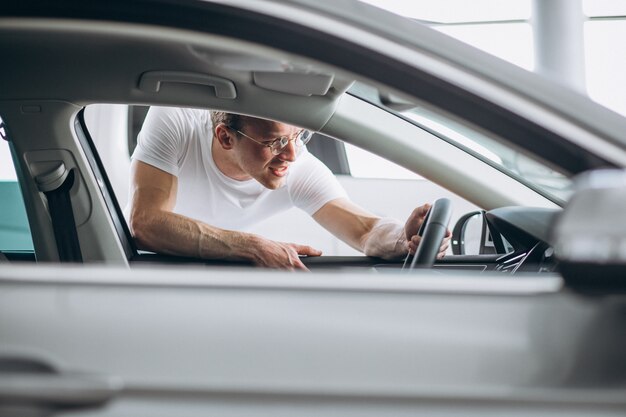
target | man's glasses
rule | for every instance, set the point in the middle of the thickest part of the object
(277, 145)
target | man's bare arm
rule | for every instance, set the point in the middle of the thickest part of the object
(156, 228)
(370, 234)
(362, 230)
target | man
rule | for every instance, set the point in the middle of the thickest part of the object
(200, 178)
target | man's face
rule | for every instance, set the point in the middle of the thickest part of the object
(258, 161)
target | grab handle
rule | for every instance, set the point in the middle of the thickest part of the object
(151, 82)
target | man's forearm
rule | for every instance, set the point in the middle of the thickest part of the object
(175, 234)
(386, 240)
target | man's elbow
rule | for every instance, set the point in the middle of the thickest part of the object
(141, 227)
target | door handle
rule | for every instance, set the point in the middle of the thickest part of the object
(151, 82)
(58, 391)
(32, 383)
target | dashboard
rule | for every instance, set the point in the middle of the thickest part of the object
(527, 232)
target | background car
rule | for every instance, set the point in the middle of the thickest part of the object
(526, 324)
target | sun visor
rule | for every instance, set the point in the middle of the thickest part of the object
(280, 73)
(301, 84)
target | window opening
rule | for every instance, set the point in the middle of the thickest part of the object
(15, 233)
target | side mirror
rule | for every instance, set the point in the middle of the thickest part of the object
(473, 235)
(590, 234)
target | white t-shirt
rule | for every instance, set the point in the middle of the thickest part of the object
(178, 141)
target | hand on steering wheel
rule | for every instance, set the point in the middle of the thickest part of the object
(432, 231)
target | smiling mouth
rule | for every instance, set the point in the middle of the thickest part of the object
(280, 171)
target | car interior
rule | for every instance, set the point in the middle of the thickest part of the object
(64, 182)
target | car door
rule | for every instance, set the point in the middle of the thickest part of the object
(108, 340)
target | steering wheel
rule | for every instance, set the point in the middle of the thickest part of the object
(432, 231)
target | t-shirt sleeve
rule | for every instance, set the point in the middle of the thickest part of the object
(313, 184)
(162, 139)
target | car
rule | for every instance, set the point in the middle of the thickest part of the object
(525, 316)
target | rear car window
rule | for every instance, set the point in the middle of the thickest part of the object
(14, 230)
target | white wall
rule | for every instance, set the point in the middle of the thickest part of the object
(386, 198)
(7, 170)
(108, 126)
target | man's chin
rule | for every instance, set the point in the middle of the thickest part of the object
(273, 183)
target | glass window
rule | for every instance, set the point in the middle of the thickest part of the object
(517, 165)
(7, 171)
(364, 164)
(498, 27)
(108, 125)
(512, 42)
(606, 63)
(452, 11)
(14, 229)
(604, 7)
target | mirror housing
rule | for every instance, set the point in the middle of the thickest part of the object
(589, 237)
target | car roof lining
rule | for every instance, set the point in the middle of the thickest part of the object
(102, 46)
(301, 92)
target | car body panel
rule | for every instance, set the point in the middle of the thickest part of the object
(385, 338)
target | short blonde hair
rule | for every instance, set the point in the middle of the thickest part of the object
(229, 119)
(232, 120)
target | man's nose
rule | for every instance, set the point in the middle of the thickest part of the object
(289, 152)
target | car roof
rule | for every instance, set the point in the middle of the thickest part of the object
(99, 53)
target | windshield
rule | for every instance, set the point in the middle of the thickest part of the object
(534, 173)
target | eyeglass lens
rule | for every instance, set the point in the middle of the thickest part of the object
(300, 140)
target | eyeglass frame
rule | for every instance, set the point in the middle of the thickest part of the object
(270, 144)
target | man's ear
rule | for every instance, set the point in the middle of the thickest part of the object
(225, 136)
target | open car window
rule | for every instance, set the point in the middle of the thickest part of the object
(381, 186)
(15, 236)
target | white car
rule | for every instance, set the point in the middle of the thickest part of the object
(531, 321)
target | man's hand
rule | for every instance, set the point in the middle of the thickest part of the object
(415, 220)
(280, 255)
(412, 226)
(445, 243)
